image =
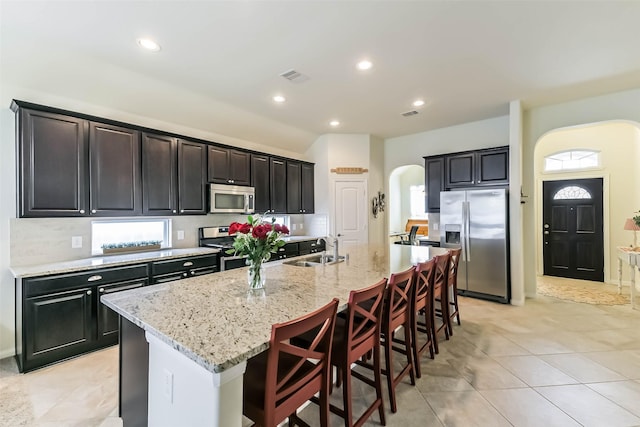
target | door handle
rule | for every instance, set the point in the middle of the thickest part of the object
(468, 225)
(546, 232)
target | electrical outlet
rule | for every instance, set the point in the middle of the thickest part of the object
(301, 226)
(294, 226)
(76, 242)
(435, 226)
(180, 234)
(168, 385)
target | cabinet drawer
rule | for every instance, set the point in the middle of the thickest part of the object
(183, 264)
(48, 284)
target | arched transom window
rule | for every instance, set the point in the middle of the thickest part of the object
(571, 192)
(571, 160)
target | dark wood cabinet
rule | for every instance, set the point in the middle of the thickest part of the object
(192, 174)
(159, 175)
(434, 182)
(278, 174)
(228, 166)
(61, 316)
(492, 166)
(114, 155)
(175, 269)
(300, 193)
(460, 170)
(307, 188)
(260, 180)
(52, 163)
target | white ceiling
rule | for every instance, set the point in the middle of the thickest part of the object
(220, 61)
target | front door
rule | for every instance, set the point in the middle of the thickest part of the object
(351, 212)
(572, 229)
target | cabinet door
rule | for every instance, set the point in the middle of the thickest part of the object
(307, 188)
(260, 181)
(218, 165)
(460, 170)
(57, 326)
(278, 186)
(192, 175)
(159, 175)
(434, 182)
(115, 170)
(52, 156)
(107, 318)
(493, 166)
(294, 200)
(239, 168)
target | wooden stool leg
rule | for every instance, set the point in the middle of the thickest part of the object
(377, 375)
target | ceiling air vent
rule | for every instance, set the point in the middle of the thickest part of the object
(294, 76)
(410, 113)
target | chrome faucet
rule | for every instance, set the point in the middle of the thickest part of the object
(333, 241)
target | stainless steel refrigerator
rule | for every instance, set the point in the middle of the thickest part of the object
(478, 221)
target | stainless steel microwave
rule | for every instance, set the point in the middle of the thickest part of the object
(231, 199)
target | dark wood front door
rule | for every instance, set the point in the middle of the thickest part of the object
(572, 229)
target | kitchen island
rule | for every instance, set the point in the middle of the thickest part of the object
(201, 331)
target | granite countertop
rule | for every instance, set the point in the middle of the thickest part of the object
(213, 320)
(106, 261)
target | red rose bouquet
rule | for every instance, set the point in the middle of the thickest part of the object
(257, 240)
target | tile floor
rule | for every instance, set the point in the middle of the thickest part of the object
(549, 363)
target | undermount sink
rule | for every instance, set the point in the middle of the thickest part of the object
(314, 261)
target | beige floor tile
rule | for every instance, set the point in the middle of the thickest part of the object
(439, 375)
(624, 393)
(539, 343)
(496, 345)
(625, 362)
(523, 407)
(581, 367)
(487, 374)
(588, 407)
(534, 371)
(465, 409)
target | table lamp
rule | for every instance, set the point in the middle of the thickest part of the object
(630, 225)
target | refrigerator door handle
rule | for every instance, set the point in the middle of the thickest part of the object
(466, 234)
(463, 231)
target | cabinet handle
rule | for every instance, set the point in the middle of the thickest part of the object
(88, 292)
(174, 211)
(187, 264)
(193, 272)
(101, 290)
(473, 182)
(93, 211)
(181, 210)
(94, 278)
(184, 274)
(81, 211)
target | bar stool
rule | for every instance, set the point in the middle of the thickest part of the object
(280, 379)
(439, 297)
(452, 294)
(396, 313)
(423, 289)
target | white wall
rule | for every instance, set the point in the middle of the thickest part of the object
(618, 147)
(377, 225)
(537, 121)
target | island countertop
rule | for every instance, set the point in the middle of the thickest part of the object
(214, 321)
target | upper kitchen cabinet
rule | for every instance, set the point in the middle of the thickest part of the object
(114, 154)
(492, 166)
(173, 176)
(278, 189)
(299, 187)
(159, 175)
(192, 176)
(260, 180)
(228, 166)
(434, 182)
(307, 187)
(482, 167)
(52, 164)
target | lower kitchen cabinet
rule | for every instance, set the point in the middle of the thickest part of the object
(176, 269)
(61, 316)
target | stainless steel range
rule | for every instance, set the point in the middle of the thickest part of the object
(218, 237)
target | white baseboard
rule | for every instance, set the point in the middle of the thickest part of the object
(7, 353)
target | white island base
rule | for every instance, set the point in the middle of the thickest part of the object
(181, 392)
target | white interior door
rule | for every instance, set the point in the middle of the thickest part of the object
(351, 212)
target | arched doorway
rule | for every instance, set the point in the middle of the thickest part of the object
(406, 196)
(618, 146)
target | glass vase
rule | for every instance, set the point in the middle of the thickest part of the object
(256, 276)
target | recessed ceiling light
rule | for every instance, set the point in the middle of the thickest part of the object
(418, 103)
(149, 45)
(279, 98)
(364, 65)
(334, 123)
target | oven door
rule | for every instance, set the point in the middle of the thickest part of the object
(231, 262)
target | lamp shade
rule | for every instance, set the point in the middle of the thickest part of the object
(630, 225)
